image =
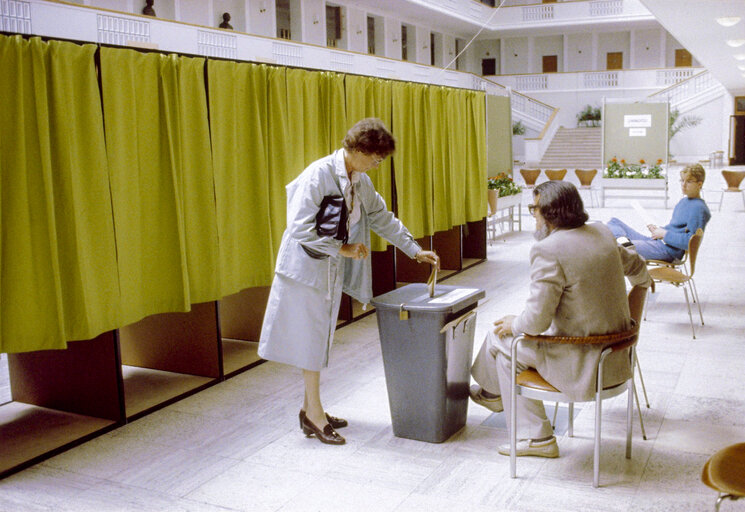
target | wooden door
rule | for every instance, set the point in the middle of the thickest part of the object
(550, 63)
(614, 60)
(683, 58)
(488, 67)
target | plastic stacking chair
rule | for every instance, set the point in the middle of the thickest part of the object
(556, 174)
(530, 176)
(585, 177)
(531, 384)
(733, 179)
(678, 275)
(725, 473)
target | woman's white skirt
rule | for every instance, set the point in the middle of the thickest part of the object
(299, 324)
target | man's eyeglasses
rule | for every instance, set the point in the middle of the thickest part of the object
(377, 161)
(689, 181)
(532, 208)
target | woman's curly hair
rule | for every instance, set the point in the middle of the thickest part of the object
(370, 137)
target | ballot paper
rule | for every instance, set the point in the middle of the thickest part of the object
(646, 218)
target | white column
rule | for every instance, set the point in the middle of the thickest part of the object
(594, 65)
(663, 48)
(500, 70)
(565, 58)
(632, 49)
(531, 51)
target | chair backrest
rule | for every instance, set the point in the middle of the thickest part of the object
(733, 179)
(693, 244)
(585, 176)
(556, 174)
(530, 176)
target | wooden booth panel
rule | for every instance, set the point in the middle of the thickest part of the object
(242, 313)
(83, 379)
(383, 271)
(474, 242)
(408, 270)
(175, 342)
(447, 244)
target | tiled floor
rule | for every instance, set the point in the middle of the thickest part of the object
(237, 446)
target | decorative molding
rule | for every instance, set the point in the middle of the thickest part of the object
(15, 16)
(122, 31)
(341, 61)
(213, 44)
(287, 54)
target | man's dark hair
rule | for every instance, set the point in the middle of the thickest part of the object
(370, 137)
(560, 204)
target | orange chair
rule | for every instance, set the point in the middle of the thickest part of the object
(733, 179)
(556, 174)
(530, 176)
(725, 473)
(585, 177)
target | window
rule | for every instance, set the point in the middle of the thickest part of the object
(284, 20)
(371, 35)
(432, 48)
(404, 43)
(333, 25)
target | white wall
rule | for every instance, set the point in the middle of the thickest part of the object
(646, 48)
(694, 144)
(486, 49)
(579, 52)
(356, 30)
(515, 56)
(314, 21)
(236, 9)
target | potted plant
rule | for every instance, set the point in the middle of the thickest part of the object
(589, 116)
(503, 190)
(620, 169)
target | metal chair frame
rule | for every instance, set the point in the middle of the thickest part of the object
(614, 342)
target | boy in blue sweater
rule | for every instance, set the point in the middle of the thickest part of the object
(669, 243)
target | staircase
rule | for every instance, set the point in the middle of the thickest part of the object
(574, 148)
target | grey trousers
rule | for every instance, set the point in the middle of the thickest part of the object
(492, 371)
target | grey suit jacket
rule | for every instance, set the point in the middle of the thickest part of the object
(577, 289)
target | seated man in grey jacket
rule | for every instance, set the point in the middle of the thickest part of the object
(577, 288)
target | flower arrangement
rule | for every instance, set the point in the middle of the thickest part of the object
(504, 185)
(621, 169)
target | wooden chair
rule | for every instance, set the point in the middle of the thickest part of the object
(733, 179)
(585, 177)
(530, 176)
(531, 384)
(725, 473)
(556, 174)
(678, 275)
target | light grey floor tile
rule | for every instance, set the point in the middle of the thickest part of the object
(325, 494)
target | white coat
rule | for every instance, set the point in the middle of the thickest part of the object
(303, 303)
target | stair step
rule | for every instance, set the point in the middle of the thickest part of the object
(574, 148)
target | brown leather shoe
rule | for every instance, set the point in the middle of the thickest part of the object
(327, 436)
(333, 420)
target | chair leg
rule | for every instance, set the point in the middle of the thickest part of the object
(556, 410)
(694, 292)
(641, 420)
(630, 415)
(596, 452)
(641, 379)
(571, 419)
(690, 316)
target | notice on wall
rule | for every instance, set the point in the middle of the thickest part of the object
(637, 132)
(637, 121)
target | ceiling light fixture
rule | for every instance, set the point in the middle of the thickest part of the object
(739, 56)
(736, 43)
(728, 21)
(741, 67)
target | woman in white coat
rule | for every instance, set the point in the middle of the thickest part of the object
(312, 269)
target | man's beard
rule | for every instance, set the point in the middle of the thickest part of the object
(542, 232)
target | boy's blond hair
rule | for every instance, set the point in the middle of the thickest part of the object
(695, 171)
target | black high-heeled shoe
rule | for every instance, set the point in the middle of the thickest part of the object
(327, 436)
(333, 420)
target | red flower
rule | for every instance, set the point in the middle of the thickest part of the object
(641, 161)
(613, 160)
(659, 161)
(623, 161)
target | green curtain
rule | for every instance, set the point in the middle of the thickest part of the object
(58, 276)
(443, 172)
(455, 111)
(371, 97)
(238, 99)
(156, 143)
(413, 158)
(475, 171)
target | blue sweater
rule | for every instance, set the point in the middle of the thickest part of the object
(688, 216)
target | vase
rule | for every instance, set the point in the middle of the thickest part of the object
(500, 203)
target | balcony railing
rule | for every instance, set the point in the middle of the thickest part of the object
(593, 80)
(699, 84)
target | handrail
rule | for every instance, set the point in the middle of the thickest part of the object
(545, 127)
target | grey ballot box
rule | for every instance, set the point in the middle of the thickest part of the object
(427, 345)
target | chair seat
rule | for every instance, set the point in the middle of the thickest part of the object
(725, 470)
(532, 379)
(668, 274)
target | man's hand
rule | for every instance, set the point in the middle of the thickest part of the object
(428, 257)
(503, 326)
(658, 233)
(354, 251)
